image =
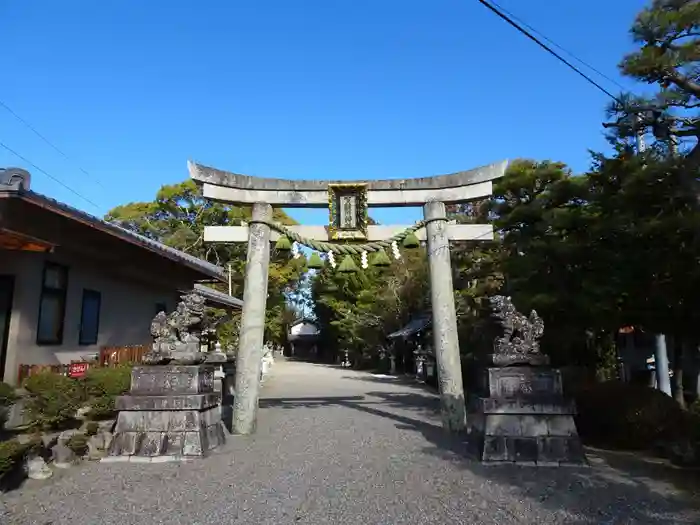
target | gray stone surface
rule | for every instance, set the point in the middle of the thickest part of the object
(486, 173)
(524, 418)
(216, 358)
(62, 455)
(171, 402)
(16, 416)
(98, 445)
(515, 381)
(171, 380)
(518, 413)
(171, 410)
(340, 447)
(445, 340)
(37, 468)
(252, 330)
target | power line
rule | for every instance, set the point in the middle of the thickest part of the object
(544, 46)
(55, 148)
(56, 180)
(552, 42)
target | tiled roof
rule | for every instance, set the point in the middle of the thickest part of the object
(217, 296)
(20, 188)
(413, 327)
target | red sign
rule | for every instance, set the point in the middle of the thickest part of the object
(76, 370)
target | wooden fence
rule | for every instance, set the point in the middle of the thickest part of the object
(29, 370)
(114, 355)
(108, 356)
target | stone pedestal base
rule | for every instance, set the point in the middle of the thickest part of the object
(524, 419)
(171, 413)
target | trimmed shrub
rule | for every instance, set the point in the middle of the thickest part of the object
(7, 398)
(102, 386)
(11, 452)
(631, 417)
(78, 444)
(91, 428)
(7, 395)
(12, 472)
(53, 399)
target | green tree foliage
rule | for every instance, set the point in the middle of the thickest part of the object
(357, 311)
(540, 257)
(177, 217)
(614, 247)
(668, 57)
(651, 218)
(591, 253)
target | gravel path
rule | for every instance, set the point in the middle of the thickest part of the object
(336, 447)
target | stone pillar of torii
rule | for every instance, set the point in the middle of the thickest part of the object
(431, 193)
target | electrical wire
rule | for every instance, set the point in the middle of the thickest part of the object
(51, 144)
(55, 179)
(553, 43)
(501, 14)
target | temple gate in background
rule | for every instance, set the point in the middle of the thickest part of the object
(346, 235)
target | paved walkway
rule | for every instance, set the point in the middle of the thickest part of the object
(341, 447)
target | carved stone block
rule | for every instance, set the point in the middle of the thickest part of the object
(174, 442)
(534, 426)
(518, 381)
(522, 450)
(171, 412)
(563, 426)
(171, 380)
(520, 414)
(524, 419)
(517, 359)
(170, 402)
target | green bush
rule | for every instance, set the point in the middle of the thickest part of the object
(102, 386)
(53, 399)
(10, 453)
(78, 444)
(92, 428)
(7, 398)
(7, 395)
(631, 417)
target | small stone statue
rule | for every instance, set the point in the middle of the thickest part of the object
(177, 335)
(520, 341)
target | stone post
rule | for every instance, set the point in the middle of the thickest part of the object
(445, 340)
(663, 381)
(252, 331)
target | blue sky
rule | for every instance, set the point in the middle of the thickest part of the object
(326, 89)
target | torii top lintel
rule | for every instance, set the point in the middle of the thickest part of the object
(245, 189)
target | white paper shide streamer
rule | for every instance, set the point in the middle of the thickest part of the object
(395, 250)
(331, 259)
(296, 252)
(363, 260)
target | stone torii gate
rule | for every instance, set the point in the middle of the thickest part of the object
(347, 202)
